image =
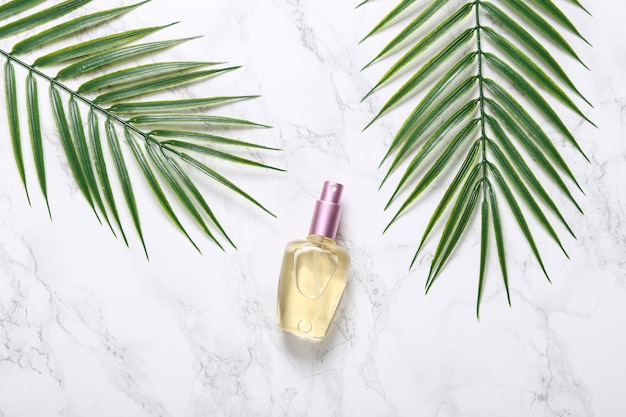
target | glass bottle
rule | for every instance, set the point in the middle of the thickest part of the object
(314, 272)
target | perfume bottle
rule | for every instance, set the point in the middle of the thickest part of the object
(314, 272)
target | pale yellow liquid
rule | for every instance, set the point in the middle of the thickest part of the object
(312, 279)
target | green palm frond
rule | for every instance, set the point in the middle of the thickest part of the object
(106, 119)
(490, 87)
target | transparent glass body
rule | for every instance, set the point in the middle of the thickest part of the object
(312, 279)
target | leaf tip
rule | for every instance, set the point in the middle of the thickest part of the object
(369, 93)
(413, 260)
(268, 212)
(392, 221)
(369, 64)
(48, 207)
(360, 4)
(371, 122)
(584, 65)
(571, 232)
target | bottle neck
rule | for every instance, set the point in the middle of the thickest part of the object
(317, 239)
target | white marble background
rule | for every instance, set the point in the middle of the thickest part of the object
(90, 328)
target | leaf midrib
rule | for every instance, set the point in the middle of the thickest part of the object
(481, 99)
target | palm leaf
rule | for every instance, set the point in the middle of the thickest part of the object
(14, 121)
(467, 167)
(418, 126)
(34, 127)
(542, 25)
(434, 171)
(415, 51)
(122, 174)
(84, 158)
(390, 16)
(484, 247)
(531, 43)
(41, 17)
(102, 171)
(67, 142)
(155, 185)
(94, 46)
(460, 115)
(13, 7)
(456, 224)
(207, 150)
(177, 119)
(207, 137)
(139, 73)
(107, 58)
(164, 106)
(68, 28)
(519, 216)
(159, 160)
(448, 79)
(540, 103)
(418, 78)
(153, 86)
(526, 64)
(487, 129)
(524, 193)
(157, 152)
(497, 228)
(197, 195)
(560, 17)
(205, 169)
(519, 118)
(524, 170)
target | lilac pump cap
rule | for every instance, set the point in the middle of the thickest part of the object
(327, 211)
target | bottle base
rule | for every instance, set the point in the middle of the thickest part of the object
(303, 330)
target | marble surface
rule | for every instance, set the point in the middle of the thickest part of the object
(88, 327)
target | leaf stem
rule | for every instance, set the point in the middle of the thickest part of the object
(481, 100)
(485, 185)
(80, 97)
